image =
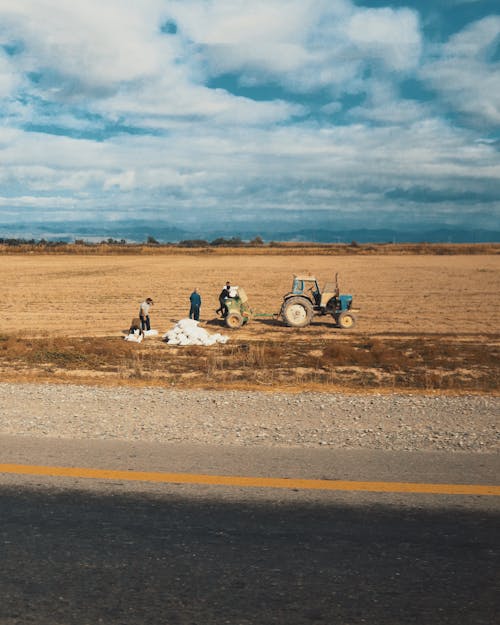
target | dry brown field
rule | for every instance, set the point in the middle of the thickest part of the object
(450, 300)
(98, 296)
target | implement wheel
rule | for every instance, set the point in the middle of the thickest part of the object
(234, 320)
(297, 312)
(346, 320)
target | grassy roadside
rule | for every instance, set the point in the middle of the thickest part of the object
(440, 363)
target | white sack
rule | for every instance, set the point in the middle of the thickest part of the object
(134, 338)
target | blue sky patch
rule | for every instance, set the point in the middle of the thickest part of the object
(169, 28)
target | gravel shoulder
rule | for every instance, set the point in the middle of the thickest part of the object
(400, 422)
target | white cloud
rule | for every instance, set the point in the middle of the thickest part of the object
(30, 201)
(236, 22)
(301, 44)
(113, 59)
(159, 104)
(389, 34)
(331, 108)
(9, 80)
(125, 181)
(283, 167)
(85, 45)
(383, 105)
(464, 75)
(98, 69)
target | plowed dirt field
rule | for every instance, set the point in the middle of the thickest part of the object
(99, 295)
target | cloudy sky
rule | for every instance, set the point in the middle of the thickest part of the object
(367, 113)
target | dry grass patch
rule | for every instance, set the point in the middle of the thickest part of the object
(354, 362)
(273, 248)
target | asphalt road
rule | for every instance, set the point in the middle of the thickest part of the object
(77, 551)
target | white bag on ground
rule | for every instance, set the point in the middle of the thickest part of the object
(135, 337)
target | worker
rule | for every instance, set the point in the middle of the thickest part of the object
(144, 313)
(135, 326)
(135, 332)
(195, 299)
(223, 295)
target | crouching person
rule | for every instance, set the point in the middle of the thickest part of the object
(135, 333)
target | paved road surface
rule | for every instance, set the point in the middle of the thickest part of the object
(97, 551)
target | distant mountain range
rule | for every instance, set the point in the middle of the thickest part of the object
(139, 231)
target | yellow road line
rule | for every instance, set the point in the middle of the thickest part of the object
(252, 482)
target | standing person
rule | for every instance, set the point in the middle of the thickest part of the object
(195, 299)
(223, 295)
(144, 313)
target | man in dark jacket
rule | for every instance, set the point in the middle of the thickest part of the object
(194, 311)
(224, 294)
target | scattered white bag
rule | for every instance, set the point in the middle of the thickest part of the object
(188, 332)
(136, 337)
(150, 333)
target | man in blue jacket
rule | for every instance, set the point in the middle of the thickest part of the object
(194, 311)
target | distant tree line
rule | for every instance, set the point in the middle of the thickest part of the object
(219, 242)
(122, 246)
(42, 242)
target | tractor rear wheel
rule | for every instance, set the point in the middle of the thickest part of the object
(346, 320)
(297, 312)
(234, 320)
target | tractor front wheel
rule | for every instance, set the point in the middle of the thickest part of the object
(346, 320)
(297, 312)
(234, 320)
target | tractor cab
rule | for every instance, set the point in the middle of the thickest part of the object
(307, 286)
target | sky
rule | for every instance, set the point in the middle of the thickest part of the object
(231, 113)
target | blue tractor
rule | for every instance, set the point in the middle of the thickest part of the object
(306, 300)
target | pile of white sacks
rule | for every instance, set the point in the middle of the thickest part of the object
(188, 332)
